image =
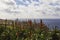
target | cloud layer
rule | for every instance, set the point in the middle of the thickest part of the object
(12, 9)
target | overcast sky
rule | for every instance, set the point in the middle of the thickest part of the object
(45, 9)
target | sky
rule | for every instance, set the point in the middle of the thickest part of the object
(30, 9)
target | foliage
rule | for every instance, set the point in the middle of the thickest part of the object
(9, 33)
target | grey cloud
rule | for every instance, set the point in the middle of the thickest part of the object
(56, 15)
(57, 9)
(8, 3)
(54, 4)
(43, 12)
(10, 11)
(36, 4)
(57, 3)
(37, 10)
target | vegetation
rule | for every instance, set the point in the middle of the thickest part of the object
(16, 33)
(9, 33)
